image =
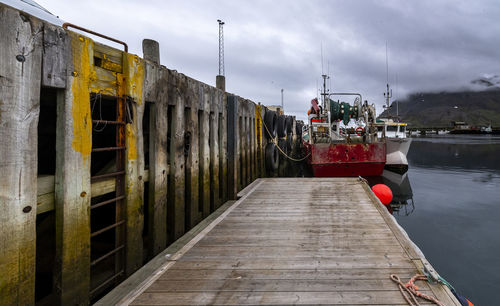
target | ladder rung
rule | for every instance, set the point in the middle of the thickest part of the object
(108, 149)
(103, 176)
(107, 228)
(106, 282)
(93, 263)
(107, 202)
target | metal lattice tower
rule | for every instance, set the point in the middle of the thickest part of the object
(221, 47)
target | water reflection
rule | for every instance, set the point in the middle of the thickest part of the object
(479, 152)
(402, 201)
(455, 181)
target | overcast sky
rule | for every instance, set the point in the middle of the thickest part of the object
(269, 45)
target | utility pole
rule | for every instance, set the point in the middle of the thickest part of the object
(221, 47)
(220, 80)
(282, 105)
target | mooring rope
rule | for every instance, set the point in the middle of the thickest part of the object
(94, 100)
(275, 141)
(410, 290)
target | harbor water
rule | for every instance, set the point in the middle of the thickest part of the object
(449, 204)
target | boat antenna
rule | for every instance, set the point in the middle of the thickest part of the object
(322, 58)
(388, 94)
(317, 88)
(324, 94)
(386, 63)
(329, 79)
(397, 96)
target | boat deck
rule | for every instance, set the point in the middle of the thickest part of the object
(286, 241)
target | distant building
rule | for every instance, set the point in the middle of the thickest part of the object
(277, 108)
(460, 125)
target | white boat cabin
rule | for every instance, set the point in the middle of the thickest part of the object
(390, 129)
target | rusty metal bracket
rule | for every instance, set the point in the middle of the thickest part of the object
(66, 25)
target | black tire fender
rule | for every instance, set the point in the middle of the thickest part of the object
(298, 129)
(282, 130)
(272, 157)
(270, 120)
(289, 125)
(289, 142)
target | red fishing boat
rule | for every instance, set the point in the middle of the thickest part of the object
(341, 139)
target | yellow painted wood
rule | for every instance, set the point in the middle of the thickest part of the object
(72, 178)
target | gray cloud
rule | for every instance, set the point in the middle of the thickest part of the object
(269, 45)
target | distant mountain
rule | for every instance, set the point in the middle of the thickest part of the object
(477, 108)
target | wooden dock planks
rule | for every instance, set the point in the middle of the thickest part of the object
(291, 241)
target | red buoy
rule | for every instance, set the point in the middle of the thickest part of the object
(383, 193)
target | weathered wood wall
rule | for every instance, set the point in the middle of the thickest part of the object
(20, 82)
(205, 145)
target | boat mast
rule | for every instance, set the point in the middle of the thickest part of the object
(324, 93)
(388, 94)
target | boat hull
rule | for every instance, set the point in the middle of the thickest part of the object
(354, 159)
(397, 149)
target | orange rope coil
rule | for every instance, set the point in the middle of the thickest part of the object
(410, 290)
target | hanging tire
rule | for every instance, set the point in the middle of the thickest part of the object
(282, 131)
(272, 157)
(289, 125)
(270, 120)
(289, 142)
(282, 143)
(298, 129)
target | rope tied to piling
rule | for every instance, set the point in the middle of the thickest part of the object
(275, 141)
(410, 290)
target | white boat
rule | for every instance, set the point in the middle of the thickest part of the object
(394, 133)
(415, 133)
(430, 132)
(486, 129)
(397, 143)
(443, 132)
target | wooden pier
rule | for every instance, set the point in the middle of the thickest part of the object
(112, 162)
(286, 241)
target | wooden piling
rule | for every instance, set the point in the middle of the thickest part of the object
(260, 131)
(55, 56)
(220, 82)
(155, 91)
(151, 51)
(205, 100)
(72, 179)
(193, 215)
(176, 205)
(253, 142)
(20, 79)
(134, 169)
(232, 146)
(214, 152)
(223, 144)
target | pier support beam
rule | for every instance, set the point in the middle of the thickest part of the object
(214, 151)
(220, 82)
(176, 198)
(205, 99)
(20, 79)
(72, 179)
(134, 168)
(155, 91)
(232, 146)
(151, 50)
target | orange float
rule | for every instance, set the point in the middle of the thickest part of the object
(383, 193)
